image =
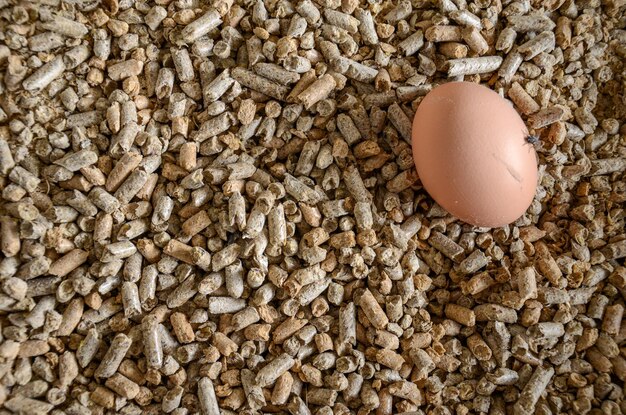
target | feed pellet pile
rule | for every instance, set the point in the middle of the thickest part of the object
(211, 207)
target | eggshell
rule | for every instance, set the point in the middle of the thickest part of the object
(471, 154)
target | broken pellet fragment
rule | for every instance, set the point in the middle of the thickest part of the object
(43, 76)
(188, 254)
(274, 369)
(400, 120)
(460, 314)
(317, 91)
(9, 239)
(533, 390)
(113, 357)
(474, 262)
(374, 312)
(152, 341)
(471, 66)
(260, 84)
(68, 262)
(446, 246)
(201, 26)
(206, 397)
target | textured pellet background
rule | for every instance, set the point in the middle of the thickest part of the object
(210, 207)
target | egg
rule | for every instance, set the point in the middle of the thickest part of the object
(472, 156)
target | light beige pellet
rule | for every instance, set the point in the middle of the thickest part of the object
(522, 99)
(470, 66)
(317, 91)
(374, 312)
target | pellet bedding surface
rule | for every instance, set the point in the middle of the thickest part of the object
(210, 207)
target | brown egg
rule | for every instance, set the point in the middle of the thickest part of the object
(471, 154)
